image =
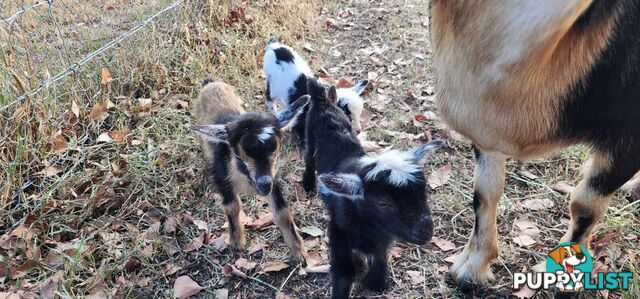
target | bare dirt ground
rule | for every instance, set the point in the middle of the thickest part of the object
(128, 216)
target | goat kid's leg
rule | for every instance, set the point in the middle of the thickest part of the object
(343, 269)
(376, 277)
(232, 206)
(309, 176)
(472, 266)
(591, 198)
(283, 219)
(271, 106)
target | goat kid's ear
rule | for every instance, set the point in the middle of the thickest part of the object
(212, 133)
(332, 94)
(290, 114)
(341, 185)
(360, 87)
(418, 152)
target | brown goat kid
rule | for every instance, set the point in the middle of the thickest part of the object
(241, 151)
(524, 78)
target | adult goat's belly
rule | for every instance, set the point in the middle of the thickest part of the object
(512, 127)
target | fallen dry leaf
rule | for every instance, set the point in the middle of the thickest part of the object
(416, 277)
(195, 244)
(74, 109)
(344, 83)
(524, 240)
(422, 118)
(396, 251)
(265, 219)
(201, 225)
(440, 176)
(527, 227)
(452, 259)
(229, 270)
(219, 243)
(50, 171)
(563, 187)
(274, 266)
(255, 247)
(312, 230)
(243, 263)
(329, 22)
(221, 294)
(104, 137)
(443, 244)
(185, 287)
(537, 204)
(281, 295)
(524, 293)
(526, 174)
(59, 142)
(171, 269)
(325, 268)
(98, 111)
(170, 225)
(106, 76)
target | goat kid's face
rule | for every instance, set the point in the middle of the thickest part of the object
(390, 190)
(256, 148)
(350, 101)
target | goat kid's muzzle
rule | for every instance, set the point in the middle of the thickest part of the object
(421, 232)
(264, 185)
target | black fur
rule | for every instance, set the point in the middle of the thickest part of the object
(477, 202)
(603, 110)
(206, 81)
(368, 225)
(283, 55)
(299, 89)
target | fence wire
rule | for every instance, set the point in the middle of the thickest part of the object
(43, 42)
(52, 53)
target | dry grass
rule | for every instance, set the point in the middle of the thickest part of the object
(103, 222)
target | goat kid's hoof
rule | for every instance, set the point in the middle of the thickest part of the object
(298, 259)
(375, 285)
(237, 245)
(469, 274)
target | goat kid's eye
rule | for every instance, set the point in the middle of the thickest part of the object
(384, 205)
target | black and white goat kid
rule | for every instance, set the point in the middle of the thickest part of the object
(287, 74)
(371, 199)
(241, 151)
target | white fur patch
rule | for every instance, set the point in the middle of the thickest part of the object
(350, 185)
(403, 169)
(266, 134)
(281, 77)
(354, 102)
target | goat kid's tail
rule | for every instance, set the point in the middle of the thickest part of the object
(206, 81)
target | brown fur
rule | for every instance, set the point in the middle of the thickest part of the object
(515, 113)
(217, 98)
(482, 247)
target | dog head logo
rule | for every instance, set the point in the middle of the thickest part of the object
(569, 258)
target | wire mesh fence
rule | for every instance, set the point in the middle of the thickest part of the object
(40, 43)
(52, 53)
(91, 91)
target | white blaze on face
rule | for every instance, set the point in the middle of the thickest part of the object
(266, 134)
(401, 166)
